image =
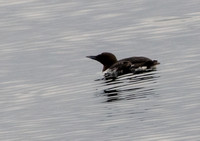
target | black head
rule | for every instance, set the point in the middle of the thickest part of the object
(105, 58)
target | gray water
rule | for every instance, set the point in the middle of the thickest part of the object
(50, 91)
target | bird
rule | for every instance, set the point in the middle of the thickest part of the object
(113, 68)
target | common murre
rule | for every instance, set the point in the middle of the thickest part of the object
(113, 68)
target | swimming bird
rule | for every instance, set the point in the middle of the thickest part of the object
(113, 67)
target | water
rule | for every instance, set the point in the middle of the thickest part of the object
(49, 90)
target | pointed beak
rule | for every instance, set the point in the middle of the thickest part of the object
(92, 57)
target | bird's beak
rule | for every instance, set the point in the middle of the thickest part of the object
(92, 57)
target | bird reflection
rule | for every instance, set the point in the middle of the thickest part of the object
(130, 87)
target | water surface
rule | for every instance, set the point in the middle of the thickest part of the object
(49, 90)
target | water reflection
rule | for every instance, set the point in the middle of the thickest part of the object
(128, 87)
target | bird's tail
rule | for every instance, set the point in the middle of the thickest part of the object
(155, 62)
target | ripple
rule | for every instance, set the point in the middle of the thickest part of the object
(129, 87)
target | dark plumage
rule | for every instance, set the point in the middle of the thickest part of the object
(115, 68)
